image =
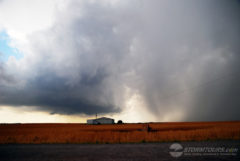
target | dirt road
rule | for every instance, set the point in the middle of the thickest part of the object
(208, 150)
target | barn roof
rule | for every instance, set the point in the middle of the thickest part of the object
(105, 118)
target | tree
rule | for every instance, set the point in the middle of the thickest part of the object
(119, 122)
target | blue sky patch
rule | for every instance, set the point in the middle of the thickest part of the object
(6, 50)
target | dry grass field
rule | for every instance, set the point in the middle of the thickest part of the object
(119, 133)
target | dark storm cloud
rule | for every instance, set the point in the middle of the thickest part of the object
(197, 71)
(179, 56)
(219, 100)
(187, 48)
(4, 77)
(51, 92)
(75, 68)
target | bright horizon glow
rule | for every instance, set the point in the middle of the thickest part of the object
(24, 115)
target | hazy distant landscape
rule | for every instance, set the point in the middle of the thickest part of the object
(118, 133)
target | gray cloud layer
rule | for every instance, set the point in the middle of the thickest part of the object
(178, 56)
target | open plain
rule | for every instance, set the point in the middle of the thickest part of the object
(131, 142)
(118, 133)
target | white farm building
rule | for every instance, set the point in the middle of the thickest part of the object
(102, 120)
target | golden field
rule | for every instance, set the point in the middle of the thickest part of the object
(119, 133)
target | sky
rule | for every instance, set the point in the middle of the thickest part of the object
(132, 60)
